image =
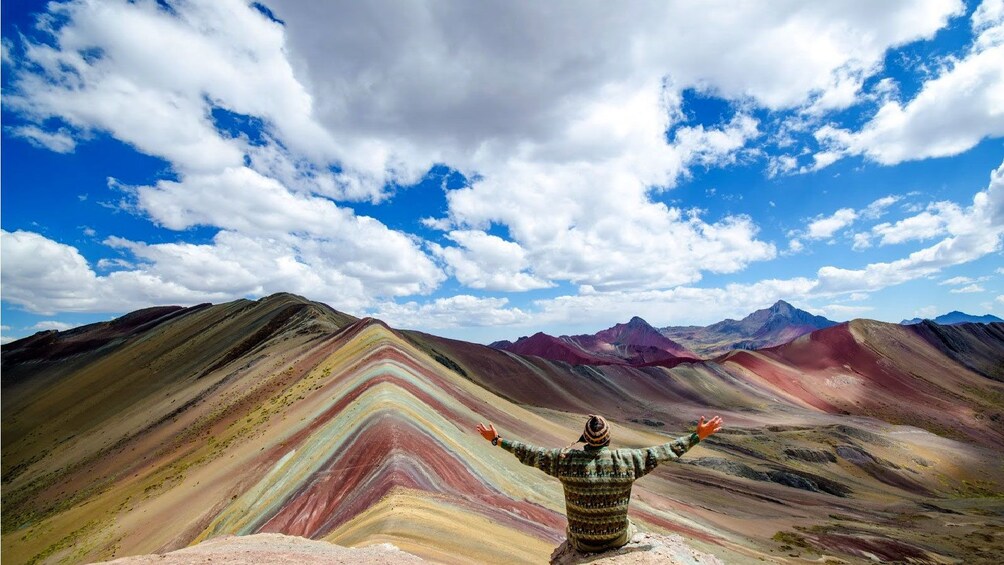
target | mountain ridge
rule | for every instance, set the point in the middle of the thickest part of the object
(956, 317)
(633, 343)
(767, 327)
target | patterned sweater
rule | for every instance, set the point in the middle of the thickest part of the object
(597, 482)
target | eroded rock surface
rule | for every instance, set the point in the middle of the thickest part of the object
(274, 548)
(643, 548)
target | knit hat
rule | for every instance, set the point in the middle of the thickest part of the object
(597, 431)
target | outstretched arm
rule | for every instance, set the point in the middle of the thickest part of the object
(488, 433)
(706, 429)
(544, 459)
(648, 458)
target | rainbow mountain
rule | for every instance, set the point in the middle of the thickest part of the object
(170, 426)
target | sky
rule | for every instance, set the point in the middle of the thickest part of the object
(487, 170)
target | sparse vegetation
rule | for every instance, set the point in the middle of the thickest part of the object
(790, 540)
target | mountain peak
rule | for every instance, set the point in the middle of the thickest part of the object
(957, 317)
(767, 327)
(782, 307)
(638, 322)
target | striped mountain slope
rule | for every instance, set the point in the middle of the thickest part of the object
(173, 426)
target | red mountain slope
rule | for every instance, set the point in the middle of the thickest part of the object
(634, 343)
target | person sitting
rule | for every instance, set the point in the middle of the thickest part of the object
(597, 480)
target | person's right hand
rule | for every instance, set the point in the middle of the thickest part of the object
(706, 429)
(488, 433)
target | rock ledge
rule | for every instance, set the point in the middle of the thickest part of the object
(262, 549)
(643, 548)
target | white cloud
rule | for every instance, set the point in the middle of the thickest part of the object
(925, 225)
(150, 77)
(45, 276)
(877, 208)
(953, 111)
(455, 311)
(844, 311)
(781, 165)
(489, 262)
(862, 241)
(5, 339)
(240, 200)
(968, 289)
(558, 114)
(59, 141)
(52, 325)
(927, 312)
(986, 23)
(974, 234)
(825, 227)
(971, 233)
(1000, 298)
(107, 263)
(678, 306)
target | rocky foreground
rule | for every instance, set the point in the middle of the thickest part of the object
(261, 549)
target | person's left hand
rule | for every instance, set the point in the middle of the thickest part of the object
(705, 429)
(488, 433)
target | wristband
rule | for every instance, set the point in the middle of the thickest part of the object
(496, 440)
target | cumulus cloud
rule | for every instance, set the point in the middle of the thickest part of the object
(843, 311)
(59, 141)
(680, 305)
(825, 227)
(567, 120)
(971, 233)
(926, 225)
(45, 276)
(455, 311)
(861, 241)
(958, 281)
(953, 111)
(968, 289)
(151, 76)
(977, 233)
(52, 325)
(485, 261)
(877, 208)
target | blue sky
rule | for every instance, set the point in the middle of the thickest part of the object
(488, 171)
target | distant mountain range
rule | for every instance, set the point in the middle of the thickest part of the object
(768, 327)
(956, 317)
(638, 343)
(634, 343)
